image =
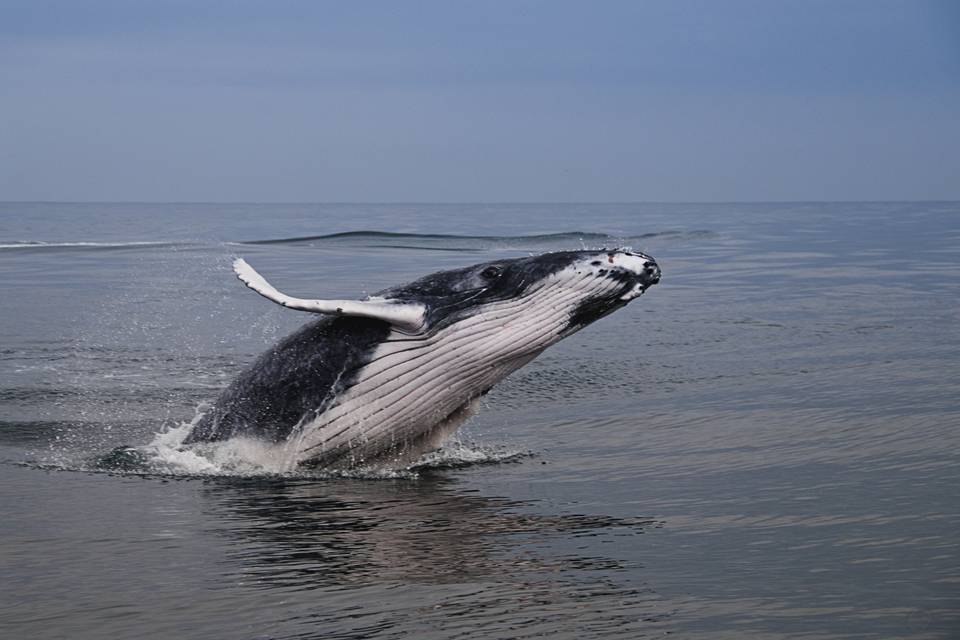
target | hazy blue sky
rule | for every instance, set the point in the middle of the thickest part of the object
(479, 101)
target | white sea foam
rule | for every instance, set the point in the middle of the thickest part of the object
(239, 456)
(54, 245)
(467, 454)
(245, 457)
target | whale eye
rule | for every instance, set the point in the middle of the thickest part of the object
(491, 273)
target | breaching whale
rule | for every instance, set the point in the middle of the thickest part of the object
(388, 378)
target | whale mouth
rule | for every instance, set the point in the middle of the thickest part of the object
(634, 284)
(641, 281)
(635, 291)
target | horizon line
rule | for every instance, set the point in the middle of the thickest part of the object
(479, 202)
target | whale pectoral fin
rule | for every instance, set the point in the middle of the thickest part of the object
(405, 316)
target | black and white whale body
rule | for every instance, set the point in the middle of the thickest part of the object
(388, 378)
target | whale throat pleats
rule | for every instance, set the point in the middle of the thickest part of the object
(411, 383)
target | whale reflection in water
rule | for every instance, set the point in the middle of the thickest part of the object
(501, 561)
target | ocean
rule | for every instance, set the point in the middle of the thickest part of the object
(765, 445)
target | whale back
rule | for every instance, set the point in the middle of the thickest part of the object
(293, 381)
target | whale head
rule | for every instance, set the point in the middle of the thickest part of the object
(543, 298)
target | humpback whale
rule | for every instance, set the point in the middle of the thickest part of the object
(385, 379)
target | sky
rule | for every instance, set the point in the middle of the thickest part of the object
(492, 101)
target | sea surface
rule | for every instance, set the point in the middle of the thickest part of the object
(766, 445)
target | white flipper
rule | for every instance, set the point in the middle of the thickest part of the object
(406, 316)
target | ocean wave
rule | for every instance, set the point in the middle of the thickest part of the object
(453, 242)
(388, 240)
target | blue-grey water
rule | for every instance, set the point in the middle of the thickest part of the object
(766, 445)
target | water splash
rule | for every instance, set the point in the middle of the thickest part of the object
(166, 455)
(457, 455)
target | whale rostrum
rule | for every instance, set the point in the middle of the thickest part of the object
(386, 379)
